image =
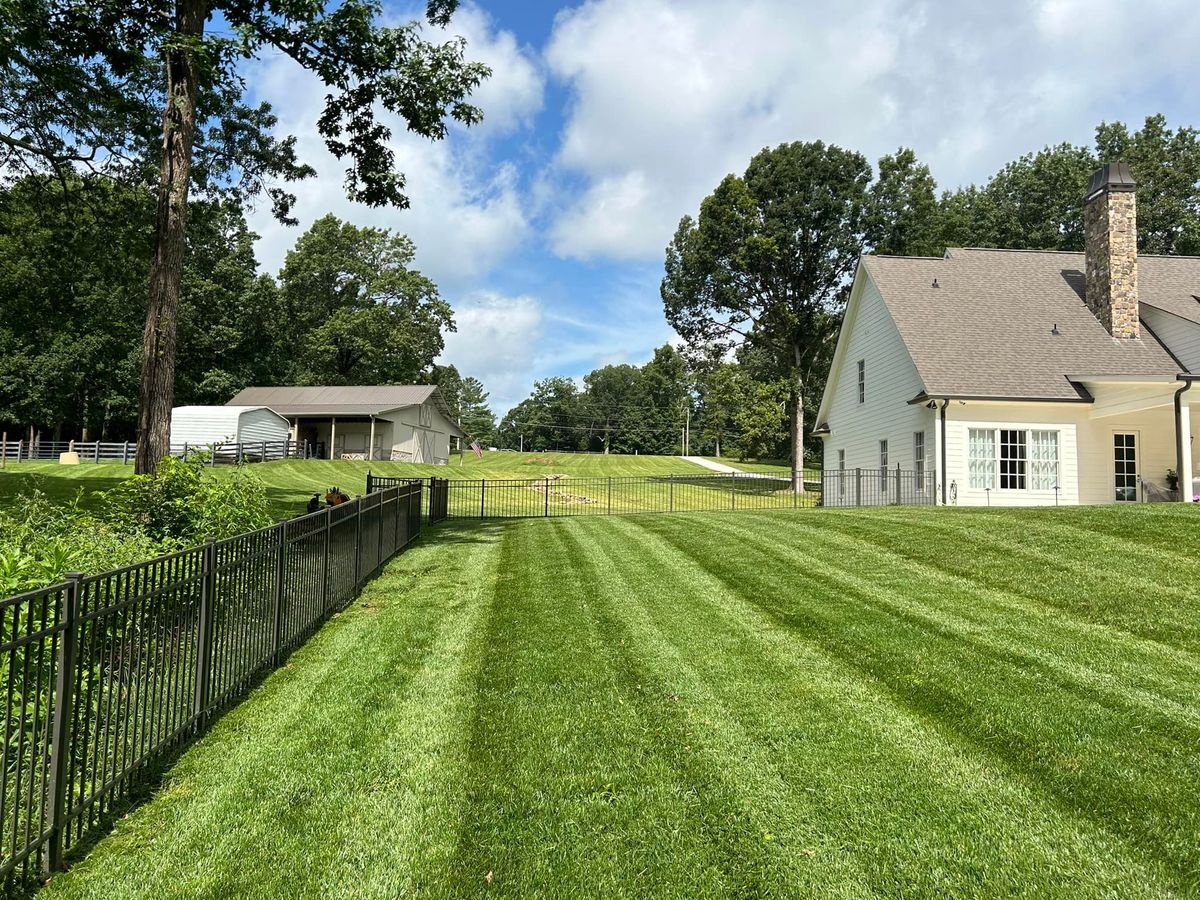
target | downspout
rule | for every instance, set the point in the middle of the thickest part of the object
(942, 413)
(1180, 437)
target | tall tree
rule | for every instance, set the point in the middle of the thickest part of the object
(768, 263)
(361, 315)
(475, 416)
(130, 88)
(903, 217)
(450, 383)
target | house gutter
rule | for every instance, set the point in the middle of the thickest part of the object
(942, 413)
(1184, 481)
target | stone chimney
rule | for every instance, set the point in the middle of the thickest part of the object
(1110, 249)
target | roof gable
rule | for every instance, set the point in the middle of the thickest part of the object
(347, 400)
(1013, 324)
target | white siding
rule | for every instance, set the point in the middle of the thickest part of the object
(869, 334)
(204, 425)
(1181, 336)
(262, 424)
(1086, 473)
(422, 434)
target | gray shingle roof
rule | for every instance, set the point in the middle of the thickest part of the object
(350, 400)
(986, 330)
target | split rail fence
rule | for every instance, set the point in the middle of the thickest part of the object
(105, 676)
(126, 451)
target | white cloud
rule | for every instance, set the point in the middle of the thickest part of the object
(467, 213)
(496, 342)
(667, 98)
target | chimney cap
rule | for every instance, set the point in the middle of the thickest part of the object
(1115, 176)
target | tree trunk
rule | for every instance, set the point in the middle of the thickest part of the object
(718, 446)
(157, 393)
(798, 426)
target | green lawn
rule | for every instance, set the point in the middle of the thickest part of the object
(826, 703)
(780, 467)
(291, 482)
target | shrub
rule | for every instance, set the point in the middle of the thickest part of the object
(41, 541)
(184, 504)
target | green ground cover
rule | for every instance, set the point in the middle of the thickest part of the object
(828, 703)
(291, 482)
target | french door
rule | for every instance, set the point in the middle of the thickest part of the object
(1125, 466)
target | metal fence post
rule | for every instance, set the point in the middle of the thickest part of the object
(732, 491)
(482, 497)
(357, 543)
(670, 493)
(379, 531)
(280, 574)
(325, 558)
(610, 495)
(546, 512)
(858, 487)
(60, 741)
(204, 630)
(370, 482)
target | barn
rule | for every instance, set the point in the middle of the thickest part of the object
(403, 422)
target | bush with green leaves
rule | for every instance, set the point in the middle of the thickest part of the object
(41, 540)
(184, 504)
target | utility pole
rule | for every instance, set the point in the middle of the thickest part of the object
(522, 444)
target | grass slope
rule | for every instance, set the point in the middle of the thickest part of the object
(291, 482)
(907, 702)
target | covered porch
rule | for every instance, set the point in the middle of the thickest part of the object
(1148, 424)
(343, 437)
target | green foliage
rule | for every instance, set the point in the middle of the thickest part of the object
(183, 503)
(1035, 202)
(475, 416)
(450, 383)
(621, 409)
(41, 540)
(767, 265)
(358, 313)
(85, 86)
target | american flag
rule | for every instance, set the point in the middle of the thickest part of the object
(478, 450)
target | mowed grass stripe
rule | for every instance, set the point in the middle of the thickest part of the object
(856, 790)
(571, 790)
(1113, 568)
(285, 797)
(1127, 771)
(1106, 661)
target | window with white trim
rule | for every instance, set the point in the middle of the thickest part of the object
(862, 381)
(919, 459)
(981, 458)
(1024, 459)
(883, 463)
(1014, 455)
(1043, 460)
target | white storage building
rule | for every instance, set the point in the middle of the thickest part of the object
(201, 426)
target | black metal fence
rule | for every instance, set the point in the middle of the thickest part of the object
(105, 675)
(878, 487)
(126, 451)
(616, 495)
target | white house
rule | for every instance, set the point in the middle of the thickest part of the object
(1021, 377)
(201, 426)
(407, 422)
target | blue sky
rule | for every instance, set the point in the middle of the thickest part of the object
(607, 121)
